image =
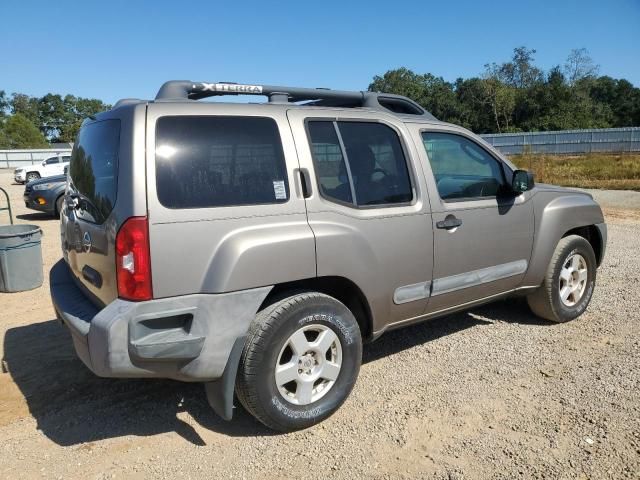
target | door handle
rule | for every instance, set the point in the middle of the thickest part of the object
(305, 182)
(449, 222)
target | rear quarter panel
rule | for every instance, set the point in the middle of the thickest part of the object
(223, 249)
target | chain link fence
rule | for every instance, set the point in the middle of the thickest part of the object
(605, 140)
(21, 158)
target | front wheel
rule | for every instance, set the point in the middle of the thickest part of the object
(59, 205)
(300, 362)
(32, 176)
(569, 281)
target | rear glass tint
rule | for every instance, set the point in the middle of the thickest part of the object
(93, 170)
(219, 161)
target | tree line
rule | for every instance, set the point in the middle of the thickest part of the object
(512, 96)
(516, 95)
(35, 122)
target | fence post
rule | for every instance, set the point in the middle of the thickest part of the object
(591, 143)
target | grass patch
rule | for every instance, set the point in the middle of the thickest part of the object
(594, 170)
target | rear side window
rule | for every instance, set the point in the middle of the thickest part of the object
(331, 168)
(93, 170)
(360, 163)
(219, 161)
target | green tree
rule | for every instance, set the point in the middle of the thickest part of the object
(26, 106)
(57, 118)
(4, 104)
(520, 72)
(499, 96)
(517, 95)
(18, 132)
(579, 65)
(52, 114)
(433, 93)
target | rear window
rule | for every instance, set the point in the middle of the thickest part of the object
(219, 161)
(93, 170)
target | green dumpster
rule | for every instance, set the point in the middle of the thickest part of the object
(20, 257)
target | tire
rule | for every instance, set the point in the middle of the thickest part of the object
(58, 210)
(32, 176)
(274, 339)
(551, 300)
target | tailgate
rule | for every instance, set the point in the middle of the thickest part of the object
(88, 227)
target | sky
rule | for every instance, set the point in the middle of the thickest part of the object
(116, 49)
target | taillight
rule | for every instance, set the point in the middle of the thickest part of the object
(133, 262)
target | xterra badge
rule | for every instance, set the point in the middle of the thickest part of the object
(231, 88)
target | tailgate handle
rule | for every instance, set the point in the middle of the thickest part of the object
(92, 276)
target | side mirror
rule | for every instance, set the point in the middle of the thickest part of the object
(44, 163)
(522, 181)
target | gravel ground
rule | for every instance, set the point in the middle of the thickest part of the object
(616, 198)
(491, 393)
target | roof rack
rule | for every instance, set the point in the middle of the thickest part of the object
(188, 90)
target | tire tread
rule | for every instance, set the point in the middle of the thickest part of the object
(265, 322)
(541, 300)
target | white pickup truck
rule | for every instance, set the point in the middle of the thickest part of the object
(49, 167)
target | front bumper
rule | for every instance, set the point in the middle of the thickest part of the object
(188, 338)
(20, 177)
(602, 231)
(31, 202)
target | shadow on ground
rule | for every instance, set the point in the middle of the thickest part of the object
(72, 406)
(33, 217)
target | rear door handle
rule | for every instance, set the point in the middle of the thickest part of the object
(305, 182)
(449, 222)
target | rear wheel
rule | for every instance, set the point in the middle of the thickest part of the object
(569, 281)
(32, 176)
(300, 362)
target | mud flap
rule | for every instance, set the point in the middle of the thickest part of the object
(220, 392)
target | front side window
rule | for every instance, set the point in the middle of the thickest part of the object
(219, 161)
(359, 163)
(462, 169)
(51, 161)
(93, 169)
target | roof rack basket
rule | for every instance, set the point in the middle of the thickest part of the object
(188, 90)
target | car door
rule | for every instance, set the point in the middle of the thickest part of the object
(64, 163)
(367, 207)
(483, 232)
(50, 167)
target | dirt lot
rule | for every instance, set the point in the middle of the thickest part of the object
(492, 393)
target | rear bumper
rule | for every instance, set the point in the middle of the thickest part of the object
(186, 338)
